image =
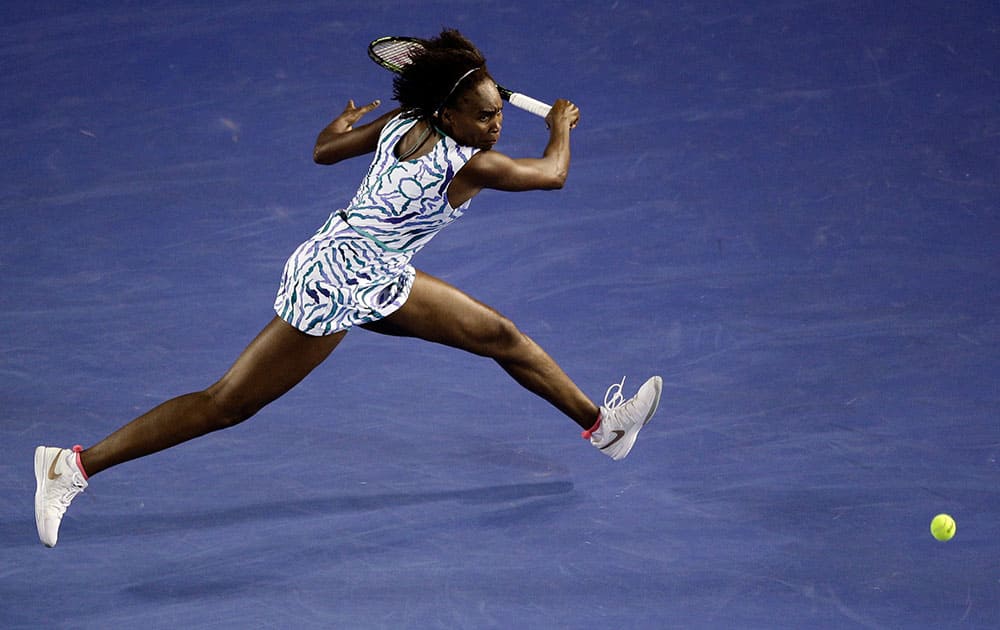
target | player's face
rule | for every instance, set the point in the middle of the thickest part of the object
(477, 117)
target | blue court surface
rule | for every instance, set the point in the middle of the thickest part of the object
(787, 209)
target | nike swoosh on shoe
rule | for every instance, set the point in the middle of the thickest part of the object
(619, 434)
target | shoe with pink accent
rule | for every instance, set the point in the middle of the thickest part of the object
(59, 477)
(620, 419)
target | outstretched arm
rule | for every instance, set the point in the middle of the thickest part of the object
(491, 169)
(341, 140)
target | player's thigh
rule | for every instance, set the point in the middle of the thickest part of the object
(274, 362)
(439, 312)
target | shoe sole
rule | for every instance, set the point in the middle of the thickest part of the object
(656, 402)
(39, 487)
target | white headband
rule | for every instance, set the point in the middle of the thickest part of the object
(453, 88)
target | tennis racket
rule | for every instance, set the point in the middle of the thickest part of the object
(393, 53)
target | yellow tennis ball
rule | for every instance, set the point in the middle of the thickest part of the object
(943, 527)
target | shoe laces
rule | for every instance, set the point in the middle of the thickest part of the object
(75, 486)
(60, 504)
(613, 398)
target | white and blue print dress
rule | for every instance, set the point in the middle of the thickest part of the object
(356, 269)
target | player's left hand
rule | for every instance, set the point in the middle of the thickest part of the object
(352, 114)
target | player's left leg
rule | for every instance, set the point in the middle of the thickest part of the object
(438, 312)
(278, 358)
(274, 362)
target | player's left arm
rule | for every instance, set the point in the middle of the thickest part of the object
(341, 140)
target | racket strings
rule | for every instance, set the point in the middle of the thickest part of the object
(396, 53)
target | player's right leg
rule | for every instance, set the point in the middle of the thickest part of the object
(441, 313)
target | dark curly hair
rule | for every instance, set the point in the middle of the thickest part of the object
(434, 78)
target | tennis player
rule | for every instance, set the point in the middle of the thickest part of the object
(432, 155)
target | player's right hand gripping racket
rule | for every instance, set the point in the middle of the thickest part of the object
(393, 53)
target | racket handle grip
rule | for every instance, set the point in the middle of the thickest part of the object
(529, 104)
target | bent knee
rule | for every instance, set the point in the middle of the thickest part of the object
(502, 338)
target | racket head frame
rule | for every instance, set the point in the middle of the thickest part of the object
(405, 43)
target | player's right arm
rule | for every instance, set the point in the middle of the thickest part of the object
(496, 171)
(341, 140)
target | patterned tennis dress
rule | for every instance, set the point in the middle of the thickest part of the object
(356, 268)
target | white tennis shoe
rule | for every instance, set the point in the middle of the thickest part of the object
(620, 419)
(58, 479)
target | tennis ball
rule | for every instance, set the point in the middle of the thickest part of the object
(943, 527)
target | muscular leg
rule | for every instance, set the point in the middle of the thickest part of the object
(272, 364)
(438, 312)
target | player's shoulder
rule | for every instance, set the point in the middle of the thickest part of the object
(488, 160)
